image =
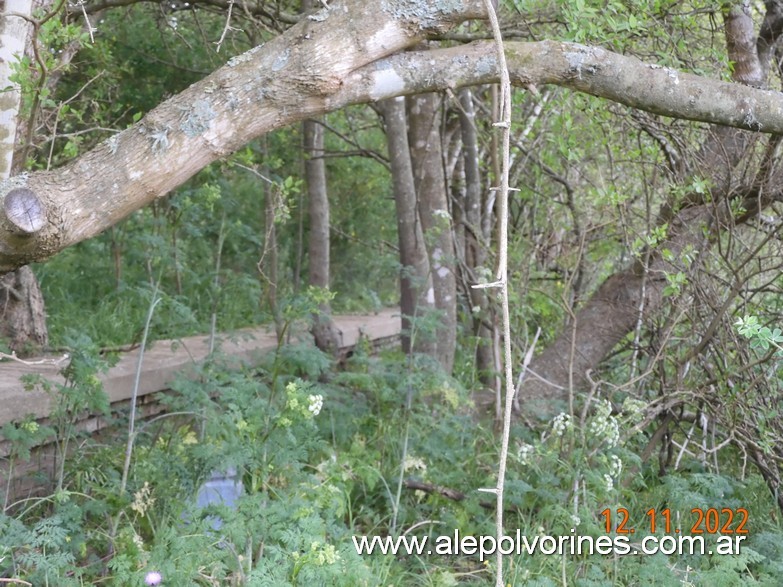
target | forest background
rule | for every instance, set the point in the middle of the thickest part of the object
(644, 249)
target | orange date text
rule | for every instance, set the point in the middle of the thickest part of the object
(701, 521)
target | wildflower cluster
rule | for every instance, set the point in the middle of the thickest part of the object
(316, 403)
(524, 452)
(414, 463)
(299, 406)
(143, 500)
(561, 423)
(324, 554)
(138, 541)
(615, 466)
(30, 426)
(634, 409)
(319, 555)
(604, 426)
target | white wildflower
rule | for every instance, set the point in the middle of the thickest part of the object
(615, 466)
(561, 423)
(524, 452)
(138, 541)
(612, 432)
(605, 426)
(633, 406)
(316, 403)
(415, 463)
(634, 409)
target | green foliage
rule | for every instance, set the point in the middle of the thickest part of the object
(761, 337)
(591, 178)
(268, 433)
(32, 73)
(47, 550)
(319, 462)
(80, 394)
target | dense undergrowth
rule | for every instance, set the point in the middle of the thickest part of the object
(328, 453)
(320, 452)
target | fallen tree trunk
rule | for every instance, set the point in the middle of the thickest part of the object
(316, 68)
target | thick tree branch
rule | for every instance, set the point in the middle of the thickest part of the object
(281, 82)
(638, 291)
(333, 58)
(649, 87)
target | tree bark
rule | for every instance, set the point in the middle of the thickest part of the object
(415, 280)
(326, 336)
(22, 313)
(268, 262)
(637, 292)
(338, 56)
(476, 242)
(426, 152)
(324, 333)
(14, 33)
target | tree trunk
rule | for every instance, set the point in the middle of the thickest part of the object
(14, 33)
(268, 261)
(427, 158)
(326, 336)
(324, 332)
(637, 292)
(267, 265)
(476, 242)
(610, 314)
(22, 313)
(415, 279)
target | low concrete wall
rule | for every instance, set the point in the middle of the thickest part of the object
(162, 362)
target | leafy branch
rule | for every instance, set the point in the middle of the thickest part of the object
(761, 337)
